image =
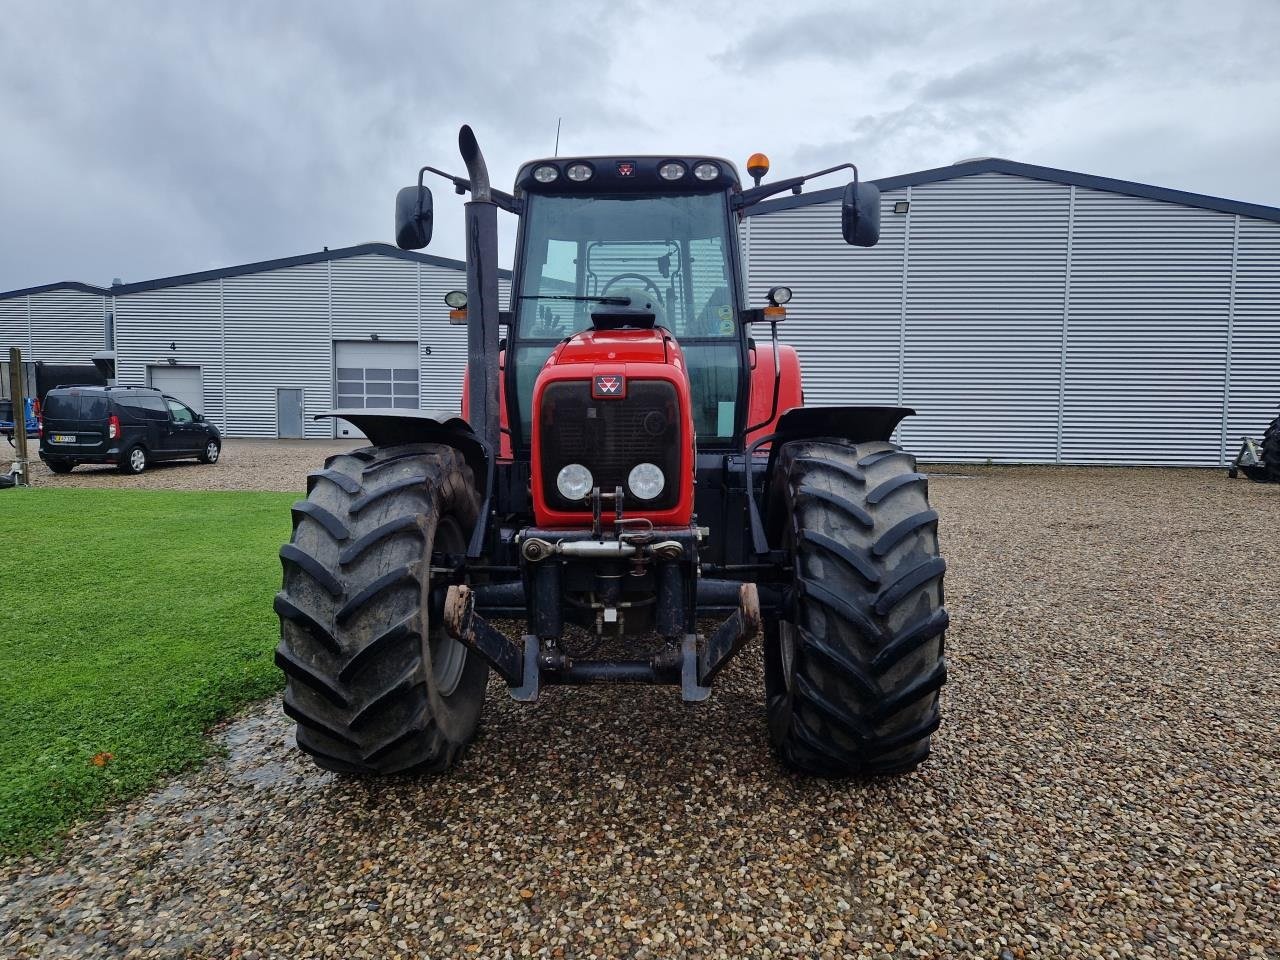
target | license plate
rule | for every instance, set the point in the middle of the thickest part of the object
(64, 438)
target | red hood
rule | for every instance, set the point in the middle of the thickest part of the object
(617, 346)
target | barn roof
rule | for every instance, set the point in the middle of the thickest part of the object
(969, 168)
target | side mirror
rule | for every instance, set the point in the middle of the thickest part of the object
(413, 218)
(199, 418)
(860, 214)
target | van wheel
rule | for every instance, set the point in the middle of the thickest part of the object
(212, 450)
(134, 460)
(60, 466)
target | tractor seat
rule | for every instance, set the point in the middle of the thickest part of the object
(643, 311)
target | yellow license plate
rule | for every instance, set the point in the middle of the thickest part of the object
(64, 438)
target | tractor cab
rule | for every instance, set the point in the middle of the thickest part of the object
(601, 237)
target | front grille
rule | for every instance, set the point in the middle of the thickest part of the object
(609, 437)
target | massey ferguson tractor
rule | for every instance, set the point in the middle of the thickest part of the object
(634, 479)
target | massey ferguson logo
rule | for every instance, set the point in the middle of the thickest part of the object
(607, 386)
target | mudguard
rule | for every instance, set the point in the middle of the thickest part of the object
(854, 424)
(387, 427)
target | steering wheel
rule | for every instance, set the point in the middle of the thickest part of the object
(635, 276)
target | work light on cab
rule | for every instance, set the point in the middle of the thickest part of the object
(579, 172)
(706, 171)
(546, 173)
(671, 170)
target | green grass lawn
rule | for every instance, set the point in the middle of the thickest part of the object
(129, 622)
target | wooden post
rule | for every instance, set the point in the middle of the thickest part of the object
(23, 476)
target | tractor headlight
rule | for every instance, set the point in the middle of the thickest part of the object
(574, 481)
(706, 171)
(579, 172)
(671, 170)
(545, 173)
(646, 481)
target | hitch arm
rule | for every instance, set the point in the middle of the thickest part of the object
(466, 626)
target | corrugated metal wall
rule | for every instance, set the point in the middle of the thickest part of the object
(57, 326)
(255, 333)
(1029, 321)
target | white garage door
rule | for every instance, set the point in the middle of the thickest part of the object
(182, 383)
(374, 374)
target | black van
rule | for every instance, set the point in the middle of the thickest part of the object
(126, 426)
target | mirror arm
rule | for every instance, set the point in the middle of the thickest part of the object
(462, 185)
(749, 198)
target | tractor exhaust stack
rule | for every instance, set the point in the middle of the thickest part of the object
(482, 294)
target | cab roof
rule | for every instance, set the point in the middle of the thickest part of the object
(627, 174)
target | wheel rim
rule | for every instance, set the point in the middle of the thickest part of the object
(448, 656)
(137, 460)
(787, 652)
(211, 452)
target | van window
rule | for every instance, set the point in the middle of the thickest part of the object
(181, 412)
(93, 406)
(61, 406)
(76, 406)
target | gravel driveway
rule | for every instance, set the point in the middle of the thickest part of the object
(244, 465)
(1105, 784)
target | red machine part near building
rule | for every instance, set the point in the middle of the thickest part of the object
(760, 402)
(614, 365)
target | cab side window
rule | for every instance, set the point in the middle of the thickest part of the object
(180, 411)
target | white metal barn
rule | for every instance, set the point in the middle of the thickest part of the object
(1028, 314)
(1036, 315)
(261, 348)
(55, 323)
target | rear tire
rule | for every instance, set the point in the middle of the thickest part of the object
(853, 669)
(1271, 450)
(59, 465)
(134, 460)
(372, 685)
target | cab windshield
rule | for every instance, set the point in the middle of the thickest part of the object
(671, 248)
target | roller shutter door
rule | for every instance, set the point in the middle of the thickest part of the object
(181, 383)
(374, 374)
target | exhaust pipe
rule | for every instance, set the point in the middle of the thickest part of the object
(482, 295)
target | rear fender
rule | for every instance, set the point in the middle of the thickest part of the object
(851, 424)
(387, 427)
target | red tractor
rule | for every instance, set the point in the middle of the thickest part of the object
(634, 478)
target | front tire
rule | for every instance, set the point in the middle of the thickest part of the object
(853, 669)
(373, 686)
(212, 450)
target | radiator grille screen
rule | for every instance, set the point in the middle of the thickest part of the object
(609, 437)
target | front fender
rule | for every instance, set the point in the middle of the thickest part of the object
(389, 427)
(853, 424)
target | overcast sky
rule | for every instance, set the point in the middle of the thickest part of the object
(140, 140)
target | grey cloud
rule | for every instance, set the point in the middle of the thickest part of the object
(150, 138)
(213, 134)
(1018, 76)
(913, 137)
(844, 33)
